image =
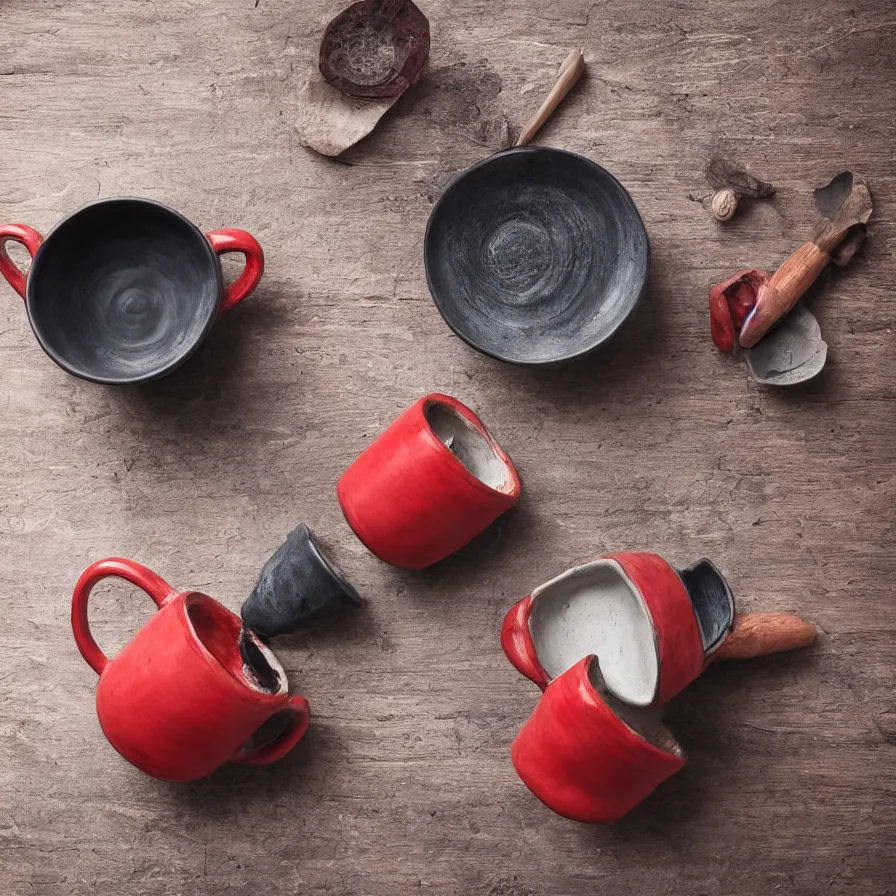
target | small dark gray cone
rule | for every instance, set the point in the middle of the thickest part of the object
(297, 584)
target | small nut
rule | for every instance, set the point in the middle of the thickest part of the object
(724, 204)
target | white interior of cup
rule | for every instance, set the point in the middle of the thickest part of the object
(595, 609)
(645, 721)
(470, 446)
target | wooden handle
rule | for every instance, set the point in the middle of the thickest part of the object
(567, 76)
(756, 634)
(776, 297)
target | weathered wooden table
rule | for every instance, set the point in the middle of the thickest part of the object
(404, 783)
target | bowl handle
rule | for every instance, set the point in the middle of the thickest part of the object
(155, 586)
(229, 239)
(30, 239)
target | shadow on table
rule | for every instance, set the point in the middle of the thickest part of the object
(706, 721)
(214, 384)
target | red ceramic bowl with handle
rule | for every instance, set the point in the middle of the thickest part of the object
(125, 290)
(179, 700)
(587, 756)
(653, 627)
(428, 485)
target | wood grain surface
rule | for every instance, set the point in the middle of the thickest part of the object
(404, 784)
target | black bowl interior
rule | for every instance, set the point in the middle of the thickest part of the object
(536, 255)
(123, 291)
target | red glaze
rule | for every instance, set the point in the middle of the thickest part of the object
(411, 501)
(175, 701)
(580, 759)
(677, 636)
(681, 657)
(229, 239)
(730, 303)
(516, 640)
(30, 239)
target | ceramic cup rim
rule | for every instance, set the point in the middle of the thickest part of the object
(181, 604)
(643, 608)
(498, 158)
(330, 568)
(189, 349)
(442, 450)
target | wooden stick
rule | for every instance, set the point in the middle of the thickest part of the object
(777, 296)
(756, 634)
(838, 238)
(567, 76)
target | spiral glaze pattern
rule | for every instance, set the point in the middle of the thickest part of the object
(123, 290)
(536, 255)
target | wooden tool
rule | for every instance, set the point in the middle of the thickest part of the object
(756, 634)
(746, 306)
(567, 77)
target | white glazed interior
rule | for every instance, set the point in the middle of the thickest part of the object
(595, 609)
(469, 446)
(645, 721)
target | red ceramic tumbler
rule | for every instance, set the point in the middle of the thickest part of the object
(178, 700)
(428, 485)
(651, 626)
(582, 758)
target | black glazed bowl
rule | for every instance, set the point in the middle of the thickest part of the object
(123, 291)
(536, 255)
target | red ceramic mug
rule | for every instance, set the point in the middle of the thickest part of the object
(653, 627)
(178, 701)
(125, 290)
(428, 485)
(587, 756)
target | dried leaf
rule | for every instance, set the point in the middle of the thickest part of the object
(857, 208)
(330, 122)
(845, 204)
(842, 255)
(828, 199)
(723, 173)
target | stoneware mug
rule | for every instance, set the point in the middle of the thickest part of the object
(588, 756)
(652, 626)
(428, 485)
(609, 642)
(178, 700)
(125, 290)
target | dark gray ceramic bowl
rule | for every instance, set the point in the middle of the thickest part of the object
(536, 255)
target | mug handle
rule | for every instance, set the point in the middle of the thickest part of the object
(30, 239)
(155, 586)
(283, 742)
(229, 239)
